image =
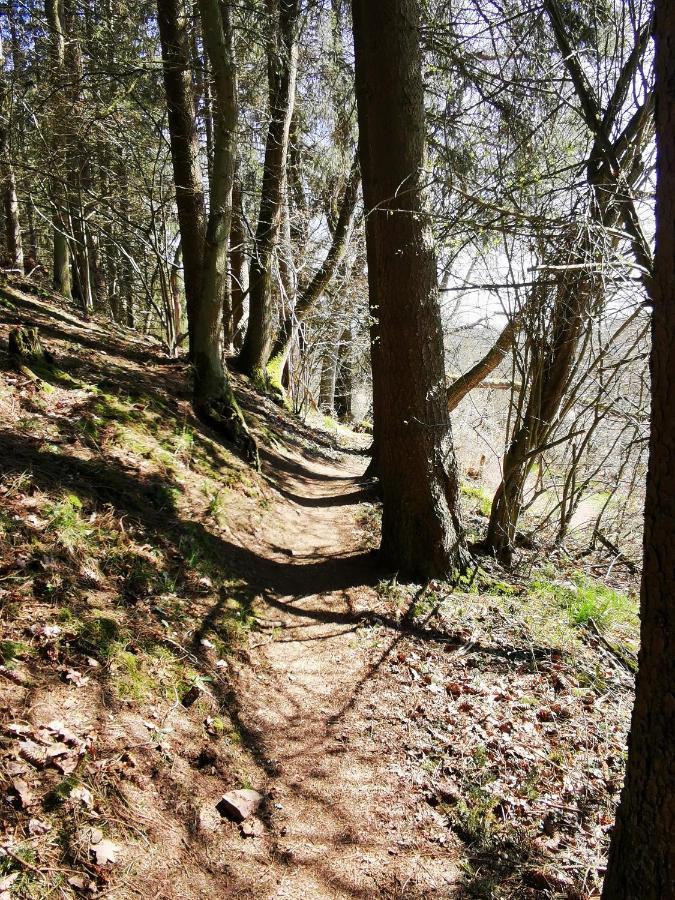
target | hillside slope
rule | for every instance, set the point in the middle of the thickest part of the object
(176, 626)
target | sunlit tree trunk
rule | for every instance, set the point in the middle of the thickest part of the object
(238, 265)
(61, 255)
(7, 176)
(343, 380)
(421, 528)
(213, 396)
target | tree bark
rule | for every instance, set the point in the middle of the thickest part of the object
(184, 151)
(344, 377)
(642, 853)
(421, 528)
(7, 176)
(214, 399)
(282, 69)
(61, 257)
(238, 265)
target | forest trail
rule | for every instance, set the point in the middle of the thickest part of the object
(175, 626)
(340, 822)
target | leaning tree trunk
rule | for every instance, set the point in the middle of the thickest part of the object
(312, 292)
(609, 186)
(213, 396)
(184, 140)
(642, 853)
(421, 528)
(282, 69)
(552, 366)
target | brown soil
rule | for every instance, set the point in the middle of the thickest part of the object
(341, 823)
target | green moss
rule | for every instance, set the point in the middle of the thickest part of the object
(482, 501)
(60, 793)
(149, 673)
(11, 651)
(99, 637)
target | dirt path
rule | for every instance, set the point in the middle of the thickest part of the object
(340, 823)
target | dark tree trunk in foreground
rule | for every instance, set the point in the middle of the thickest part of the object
(184, 149)
(282, 68)
(642, 853)
(421, 529)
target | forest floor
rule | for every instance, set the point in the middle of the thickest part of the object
(175, 626)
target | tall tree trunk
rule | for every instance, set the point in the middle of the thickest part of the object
(7, 176)
(282, 69)
(642, 853)
(61, 256)
(328, 374)
(184, 150)
(421, 528)
(78, 168)
(213, 396)
(344, 380)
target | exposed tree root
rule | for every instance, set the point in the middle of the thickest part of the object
(222, 413)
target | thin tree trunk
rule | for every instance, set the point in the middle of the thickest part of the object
(421, 528)
(238, 265)
(7, 176)
(184, 151)
(312, 293)
(641, 862)
(282, 71)
(213, 396)
(344, 380)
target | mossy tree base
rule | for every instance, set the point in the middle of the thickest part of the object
(27, 353)
(220, 410)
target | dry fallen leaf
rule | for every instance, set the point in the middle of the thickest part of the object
(105, 852)
(77, 678)
(83, 794)
(23, 792)
(6, 883)
(37, 826)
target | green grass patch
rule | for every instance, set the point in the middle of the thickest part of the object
(150, 672)
(11, 651)
(66, 522)
(585, 600)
